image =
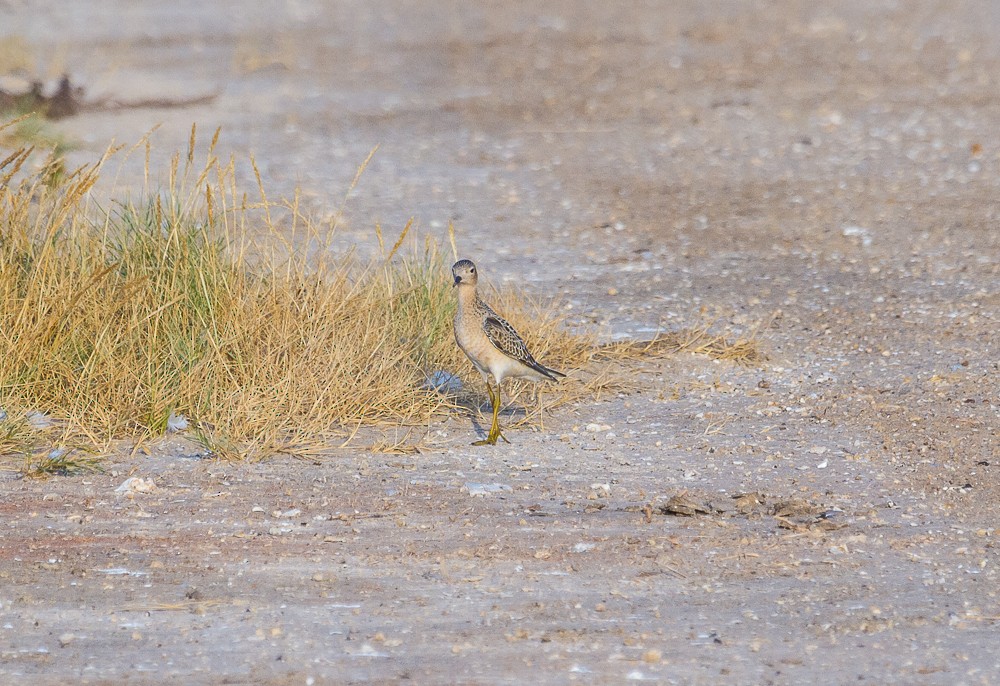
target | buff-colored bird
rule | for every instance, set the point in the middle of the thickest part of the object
(493, 346)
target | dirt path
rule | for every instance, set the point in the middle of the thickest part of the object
(830, 174)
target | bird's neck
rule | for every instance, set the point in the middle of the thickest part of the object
(466, 296)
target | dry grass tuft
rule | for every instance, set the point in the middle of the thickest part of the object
(112, 321)
(34, 446)
(198, 302)
(394, 445)
(17, 436)
(699, 340)
(60, 462)
(32, 137)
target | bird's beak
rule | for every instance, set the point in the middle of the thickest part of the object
(458, 280)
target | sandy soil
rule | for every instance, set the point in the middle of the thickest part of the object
(829, 173)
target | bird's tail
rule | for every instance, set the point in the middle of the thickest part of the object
(551, 373)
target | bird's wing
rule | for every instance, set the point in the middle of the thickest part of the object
(505, 339)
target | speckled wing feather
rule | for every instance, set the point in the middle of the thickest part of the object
(505, 339)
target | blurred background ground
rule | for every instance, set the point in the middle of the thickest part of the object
(827, 174)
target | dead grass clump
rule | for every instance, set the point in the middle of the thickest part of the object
(32, 137)
(197, 302)
(700, 340)
(179, 303)
(18, 438)
(60, 462)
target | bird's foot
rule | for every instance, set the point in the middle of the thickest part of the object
(491, 439)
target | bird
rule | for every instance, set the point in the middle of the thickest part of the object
(491, 344)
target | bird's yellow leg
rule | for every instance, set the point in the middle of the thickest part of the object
(491, 438)
(495, 429)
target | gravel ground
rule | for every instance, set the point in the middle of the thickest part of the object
(825, 175)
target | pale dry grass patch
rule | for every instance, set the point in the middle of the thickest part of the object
(197, 301)
(60, 461)
(18, 439)
(702, 339)
(30, 136)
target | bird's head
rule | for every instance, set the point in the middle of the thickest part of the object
(464, 272)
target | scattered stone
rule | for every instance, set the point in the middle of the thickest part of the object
(39, 420)
(443, 382)
(176, 423)
(652, 656)
(136, 484)
(602, 490)
(748, 502)
(794, 507)
(684, 506)
(485, 489)
(858, 232)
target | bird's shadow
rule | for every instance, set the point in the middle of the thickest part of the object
(480, 407)
(477, 404)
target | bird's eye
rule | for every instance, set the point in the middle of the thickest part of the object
(473, 270)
